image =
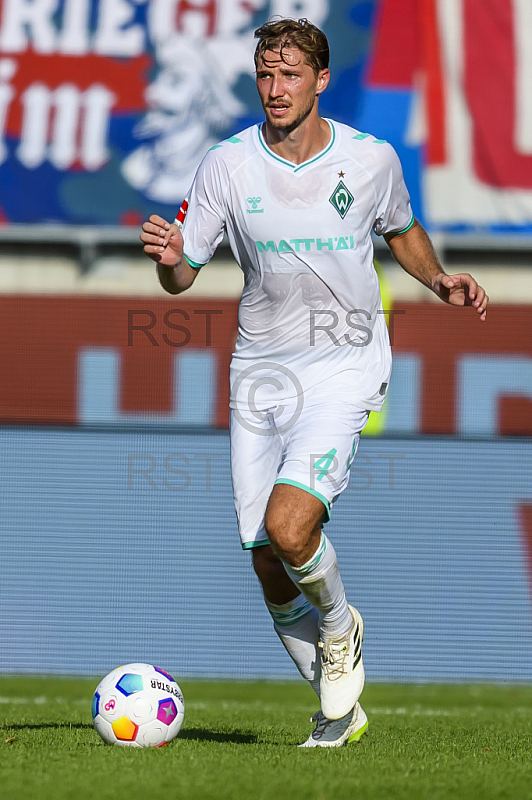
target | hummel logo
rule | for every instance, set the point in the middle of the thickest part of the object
(341, 199)
(254, 203)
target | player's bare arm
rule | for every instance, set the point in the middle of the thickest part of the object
(413, 250)
(163, 243)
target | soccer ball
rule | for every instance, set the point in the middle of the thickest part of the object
(138, 706)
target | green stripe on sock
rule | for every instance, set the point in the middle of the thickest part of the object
(314, 561)
(290, 618)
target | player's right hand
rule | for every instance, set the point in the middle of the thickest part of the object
(162, 241)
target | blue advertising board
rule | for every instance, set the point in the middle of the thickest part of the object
(121, 546)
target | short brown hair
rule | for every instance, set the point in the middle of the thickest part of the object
(280, 33)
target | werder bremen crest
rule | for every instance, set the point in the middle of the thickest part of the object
(341, 199)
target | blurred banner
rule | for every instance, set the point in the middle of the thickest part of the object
(456, 76)
(100, 361)
(107, 106)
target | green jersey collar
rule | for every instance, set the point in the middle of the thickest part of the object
(298, 167)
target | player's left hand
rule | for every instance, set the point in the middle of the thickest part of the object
(462, 290)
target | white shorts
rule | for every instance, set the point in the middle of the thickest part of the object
(306, 443)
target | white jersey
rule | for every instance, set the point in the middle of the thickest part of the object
(310, 311)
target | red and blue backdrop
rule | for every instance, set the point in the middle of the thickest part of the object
(107, 106)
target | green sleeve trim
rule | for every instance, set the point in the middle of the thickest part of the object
(361, 136)
(232, 140)
(404, 230)
(193, 263)
(251, 545)
(315, 560)
(310, 491)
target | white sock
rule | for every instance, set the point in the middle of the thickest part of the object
(319, 580)
(296, 624)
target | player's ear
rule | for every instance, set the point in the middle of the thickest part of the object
(324, 77)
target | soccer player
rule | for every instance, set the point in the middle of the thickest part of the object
(299, 196)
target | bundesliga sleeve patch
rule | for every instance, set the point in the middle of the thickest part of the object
(181, 214)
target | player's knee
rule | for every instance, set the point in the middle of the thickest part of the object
(288, 540)
(291, 549)
(293, 519)
(276, 524)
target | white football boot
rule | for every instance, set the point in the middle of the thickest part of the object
(342, 671)
(337, 732)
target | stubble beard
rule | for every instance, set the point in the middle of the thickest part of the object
(280, 126)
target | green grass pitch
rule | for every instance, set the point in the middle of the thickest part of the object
(239, 741)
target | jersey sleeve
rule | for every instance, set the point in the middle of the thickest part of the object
(204, 223)
(394, 212)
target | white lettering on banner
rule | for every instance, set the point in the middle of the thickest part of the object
(116, 36)
(8, 67)
(234, 16)
(36, 23)
(98, 391)
(31, 22)
(197, 17)
(28, 20)
(98, 101)
(166, 17)
(200, 18)
(190, 101)
(67, 101)
(315, 10)
(403, 400)
(63, 109)
(482, 380)
(33, 136)
(74, 39)
(523, 72)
